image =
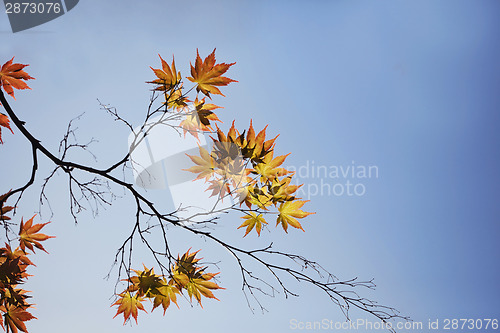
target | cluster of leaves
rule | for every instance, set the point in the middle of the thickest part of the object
(208, 77)
(13, 265)
(240, 165)
(186, 275)
(11, 76)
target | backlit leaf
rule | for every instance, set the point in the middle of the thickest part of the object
(208, 75)
(167, 77)
(12, 76)
(289, 212)
(15, 317)
(205, 164)
(129, 305)
(29, 236)
(165, 294)
(251, 221)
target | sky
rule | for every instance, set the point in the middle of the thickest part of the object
(408, 88)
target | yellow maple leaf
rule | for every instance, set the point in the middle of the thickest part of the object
(164, 295)
(253, 220)
(176, 99)
(145, 282)
(205, 164)
(201, 287)
(289, 212)
(269, 168)
(258, 197)
(281, 190)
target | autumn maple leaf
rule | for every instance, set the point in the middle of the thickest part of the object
(6, 253)
(11, 76)
(187, 263)
(12, 272)
(201, 287)
(199, 119)
(15, 316)
(208, 75)
(204, 112)
(29, 236)
(145, 282)
(176, 100)
(261, 147)
(4, 121)
(168, 77)
(165, 295)
(205, 164)
(269, 168)
(254, 147)
(219, 187)
(251, 221)
(281, 190)
(259, 197)
(129, 305)
(289, 213)
(191, 124)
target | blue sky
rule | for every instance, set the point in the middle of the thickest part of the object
(408, 86)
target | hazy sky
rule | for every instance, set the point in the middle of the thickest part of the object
(410, 88)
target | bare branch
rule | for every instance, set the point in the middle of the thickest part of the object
(91, 188)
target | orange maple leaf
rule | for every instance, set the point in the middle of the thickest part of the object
(129, 305)
(11, 76)
(208, 75)
(205, 114)
(6, 253)
(4, 121)
(168, 77)
(29, 236)
(15, 316)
